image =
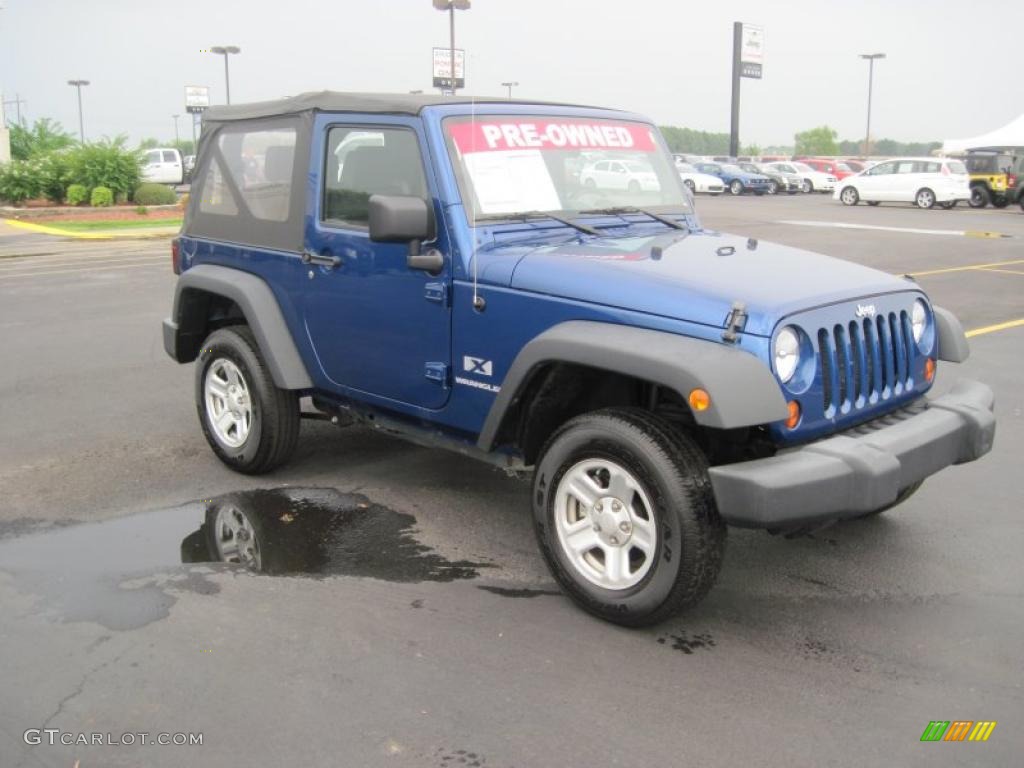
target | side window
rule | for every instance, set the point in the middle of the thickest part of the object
(361, 163)
(905, 167)
(602, 166)
(153, 157)
(260, 163)
(883, 169)
(170, 157)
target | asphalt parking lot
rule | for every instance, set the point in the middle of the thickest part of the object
(416, 624)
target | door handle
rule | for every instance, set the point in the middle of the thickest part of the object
(323, 261)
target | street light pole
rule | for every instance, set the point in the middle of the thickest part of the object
(451, 6)
(871, 76)
(225, 51)
(509, 85)
(81, 125)
(177, 140)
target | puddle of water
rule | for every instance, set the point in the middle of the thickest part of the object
(105, 571)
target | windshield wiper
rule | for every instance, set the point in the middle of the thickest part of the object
(632, 209)
(524, 215)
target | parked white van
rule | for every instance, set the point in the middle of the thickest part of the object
(923, 181)
(163, 165)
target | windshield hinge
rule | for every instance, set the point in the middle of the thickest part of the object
(735, 322)
(437, 372)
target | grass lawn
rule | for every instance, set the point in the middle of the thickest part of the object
(99, 225)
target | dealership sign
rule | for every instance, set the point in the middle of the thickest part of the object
(752, 51)
(442, 68)
(197, 98)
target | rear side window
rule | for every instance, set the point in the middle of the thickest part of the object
(956, 167)
(925, 167)
(906, 167)
(170, 157)
(249, 183)
(361, 162)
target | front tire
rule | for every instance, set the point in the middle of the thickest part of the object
(924, 198)
(808, 187)
(690, 186)
(773, 188)
(625, 516)
(849, 196)
(736, 187)
(1000, 201)
(251, 425)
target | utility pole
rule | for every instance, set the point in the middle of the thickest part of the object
(510, 85)
(871, 76)
(81, 125)
(734, 127)
(17, 101)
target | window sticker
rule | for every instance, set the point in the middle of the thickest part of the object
(511, 181)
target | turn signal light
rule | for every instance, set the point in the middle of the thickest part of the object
(929, 369)
(794, 414)
(175, 256)
(700, 400)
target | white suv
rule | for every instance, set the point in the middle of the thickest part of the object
(923, 181)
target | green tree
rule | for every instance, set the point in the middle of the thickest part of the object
(695, 142)
(45, 135)
(817, 141)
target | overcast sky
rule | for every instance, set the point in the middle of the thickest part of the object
(669, 59)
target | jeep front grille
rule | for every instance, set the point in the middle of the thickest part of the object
(865, 361)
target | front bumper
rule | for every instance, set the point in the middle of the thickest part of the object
(861, 470)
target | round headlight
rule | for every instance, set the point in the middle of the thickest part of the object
(787, 353)
(918, 319)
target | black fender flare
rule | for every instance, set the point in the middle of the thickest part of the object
(953, 346)
(183, 334)
(743, 391)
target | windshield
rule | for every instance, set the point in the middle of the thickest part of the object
(686, 168)
(843, 167)
(731, 168)
(508, 165)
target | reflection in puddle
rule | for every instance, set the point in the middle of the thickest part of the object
(115, 572)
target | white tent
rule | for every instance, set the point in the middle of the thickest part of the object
(1010, 135)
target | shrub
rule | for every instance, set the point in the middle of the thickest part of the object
(106, 164)
(142, 210)
(101, 197)
(77, 194)
(54, 175)
(42, 137)
(154, 194)
(19, 181)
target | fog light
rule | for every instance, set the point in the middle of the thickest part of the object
(929, 369)
(700, 400)
(794, 414)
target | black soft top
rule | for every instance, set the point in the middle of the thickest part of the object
(336, 101)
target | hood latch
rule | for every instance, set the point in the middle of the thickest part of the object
(735, 322)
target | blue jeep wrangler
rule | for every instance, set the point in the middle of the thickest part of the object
(529, 283)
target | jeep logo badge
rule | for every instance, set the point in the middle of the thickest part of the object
(865, 310)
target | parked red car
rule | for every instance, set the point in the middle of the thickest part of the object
(855, 165)
(832, 167)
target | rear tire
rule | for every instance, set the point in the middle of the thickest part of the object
(948, 205)
(924, 198)
(979, 197)
(251, 425)
(625, 516)
(1000, 201)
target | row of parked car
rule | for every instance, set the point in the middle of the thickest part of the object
(740, 177)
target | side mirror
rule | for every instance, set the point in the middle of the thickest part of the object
(406, 219)
(400, 219)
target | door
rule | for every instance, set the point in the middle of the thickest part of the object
(905, 181)
(172, 167)
(376, 326)
(874, 184)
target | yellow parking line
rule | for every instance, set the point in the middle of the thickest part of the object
(967, 268)
(996, 327)
(1004, 271)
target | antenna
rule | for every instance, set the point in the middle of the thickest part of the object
(478, 301)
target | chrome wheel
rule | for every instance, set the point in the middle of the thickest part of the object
(235, 538)
(228, 403)
(807, 186)
(848, 196)
(925, 198)
(605, 524)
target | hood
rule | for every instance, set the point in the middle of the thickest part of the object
(696, 277)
